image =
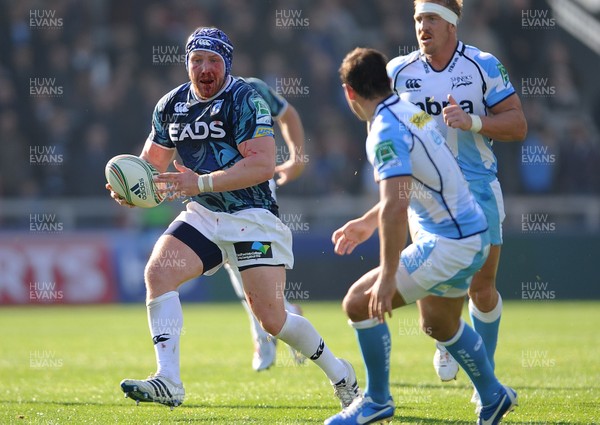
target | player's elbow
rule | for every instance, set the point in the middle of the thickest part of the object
(521, 130)
(265, 171)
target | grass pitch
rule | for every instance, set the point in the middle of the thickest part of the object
(63, 365)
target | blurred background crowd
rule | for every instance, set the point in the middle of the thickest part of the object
(80, 82)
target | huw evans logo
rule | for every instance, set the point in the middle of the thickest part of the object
(45, 155)
(42, 18)
(290, 18)
(45, 87)
(253, 250)
(291, 87)
(167, 55)
(537, 19)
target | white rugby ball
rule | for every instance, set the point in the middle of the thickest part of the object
(131, 177)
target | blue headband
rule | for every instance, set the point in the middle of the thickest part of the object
(213, 40)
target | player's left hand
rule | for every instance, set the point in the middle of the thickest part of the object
(381, 295)
(288, 171)
(177, 185)
(455, 116)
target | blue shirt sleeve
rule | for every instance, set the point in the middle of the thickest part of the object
(496, 79)
(389, 149)
(276, 102)
(252, 116)
(159, 132)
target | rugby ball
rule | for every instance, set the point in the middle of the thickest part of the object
(131, 177)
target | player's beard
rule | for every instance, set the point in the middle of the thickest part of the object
(207, 86)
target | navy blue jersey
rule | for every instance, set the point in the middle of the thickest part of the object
(276, 102)
(206, 135)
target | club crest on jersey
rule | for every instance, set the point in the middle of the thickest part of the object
(198, 130)
(216, 107)
(461, 80)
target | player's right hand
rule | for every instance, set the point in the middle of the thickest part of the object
(118, 198)
(349, 236)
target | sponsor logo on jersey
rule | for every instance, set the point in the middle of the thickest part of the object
(413, 84)
(216, 107)
(252, 250)
(198, 130)
(453, 64)
(420, 119)
(461, 80)
(435, 108)
(180, 108)
(262, 132)
(503, 74)
(385, 152)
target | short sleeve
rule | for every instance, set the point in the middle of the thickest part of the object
(252, 116)
(498, 85)
(390, 153)
(276, 102)
(159, 132)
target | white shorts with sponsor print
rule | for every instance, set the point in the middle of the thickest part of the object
(434, 265)
(246, 238)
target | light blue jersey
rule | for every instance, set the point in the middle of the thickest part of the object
(476, 80)
(405, 141)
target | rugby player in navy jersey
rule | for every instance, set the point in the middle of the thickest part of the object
(222, 130)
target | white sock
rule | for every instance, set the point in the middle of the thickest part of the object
(300, 334)
(165, 319)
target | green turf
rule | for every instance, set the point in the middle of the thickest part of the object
(63, 365)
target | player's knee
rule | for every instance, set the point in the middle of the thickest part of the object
(354, 307)
(271, 324)
(440, 330)
(156, 277)
(483, 295)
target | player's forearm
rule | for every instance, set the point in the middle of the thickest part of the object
(371, 217)
(507, 126)
(393, 227)
(293, 134)
(248, 172)
(157, 155)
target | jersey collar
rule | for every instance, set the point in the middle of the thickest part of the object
(388, 101)
(460, 47)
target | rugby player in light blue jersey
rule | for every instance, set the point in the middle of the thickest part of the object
(222, 130)
(416, 172)
(470, 96)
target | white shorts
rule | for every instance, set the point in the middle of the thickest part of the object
(434, 265)
(247, 238)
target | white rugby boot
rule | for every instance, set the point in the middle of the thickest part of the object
(444, 364)
(156, 388)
